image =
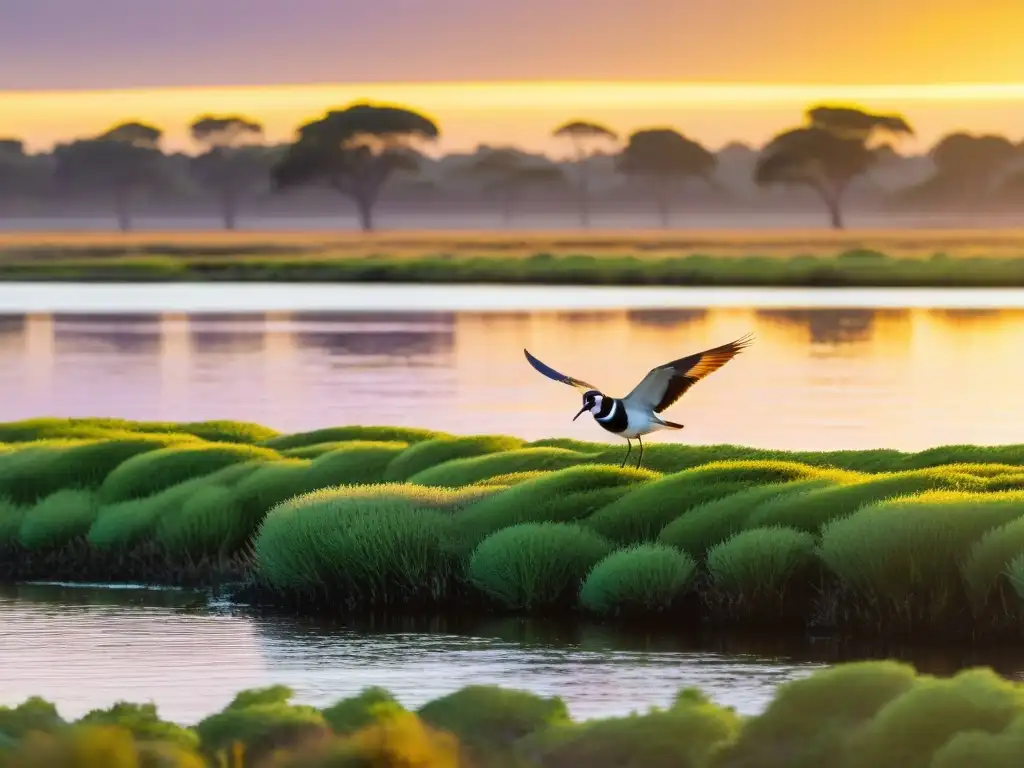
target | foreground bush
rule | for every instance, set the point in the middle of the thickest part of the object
(852, 715)
(58, 520)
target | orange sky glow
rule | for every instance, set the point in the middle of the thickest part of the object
(521, 113)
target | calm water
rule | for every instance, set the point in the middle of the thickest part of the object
(89, 647)
(829, 370)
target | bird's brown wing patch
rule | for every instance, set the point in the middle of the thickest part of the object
(665, 384)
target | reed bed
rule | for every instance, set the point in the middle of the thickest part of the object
(412, 520)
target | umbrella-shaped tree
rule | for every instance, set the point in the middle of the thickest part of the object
(665, 158)
(119, 163)
(355, 151)
(586, 137)
(508, 174)
(827, 154)
(232, 161)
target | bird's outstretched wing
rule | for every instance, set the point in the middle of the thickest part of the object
(667, 383)
(551, 373)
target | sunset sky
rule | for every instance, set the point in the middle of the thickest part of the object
(71, 67)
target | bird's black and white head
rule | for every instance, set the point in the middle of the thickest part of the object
(592, 401)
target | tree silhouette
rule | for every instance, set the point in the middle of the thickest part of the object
(974, 164)
(507, 173)
(665, 157)
(827, 154)
(585, 137)
(356, 151)
(231, 162)
(120, 162)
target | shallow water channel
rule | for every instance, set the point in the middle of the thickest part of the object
(190, 652)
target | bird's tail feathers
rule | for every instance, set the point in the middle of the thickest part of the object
(671, 424)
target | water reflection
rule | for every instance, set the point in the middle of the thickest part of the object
(815, 379)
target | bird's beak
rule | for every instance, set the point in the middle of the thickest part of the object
(580, 413)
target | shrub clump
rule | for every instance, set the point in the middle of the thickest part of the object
(58, 519)
(359, 551)
(459, 472)
(902, 557)
(814, 509)
(643, 513)
(155, 471)
(432, 453)
(756, 573)
(408, 435)
(565, 496)
(535, 565)
(644, 579)
(713, 522)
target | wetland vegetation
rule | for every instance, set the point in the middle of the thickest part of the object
(860, 714)
(796, 258)
(378, 518)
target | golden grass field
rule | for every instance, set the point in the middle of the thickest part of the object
(512, 243)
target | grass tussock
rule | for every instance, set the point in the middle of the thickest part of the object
(155, 471)
(432, 453)
(58, 520)
(815, 509)
(643, 513)
(557, 497)
(902, 557)
(473, 470)
(407, 435)
(642, 580)
(761, 574)
(536, 565)
(357, 550)
(712, 522)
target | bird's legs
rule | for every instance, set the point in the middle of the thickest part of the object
(640, 440)
(628, 450)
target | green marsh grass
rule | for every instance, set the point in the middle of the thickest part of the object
(355, 550)
(759, 574)
(58, 519)
(467, 471)
(985, 566)
(642, 514)
(408, 435)
(124, 524)
(536, 565)
(555, 497)
(11, 517)
(432, 453)
(811, 510)
(902, 557)
(361, 461)
(712, 522)
(641, 580)
(155, 471)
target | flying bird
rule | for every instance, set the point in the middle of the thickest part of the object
(637, 413)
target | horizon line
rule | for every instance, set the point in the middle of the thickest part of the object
(569, 93)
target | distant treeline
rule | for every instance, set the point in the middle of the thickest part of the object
(836, 156)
